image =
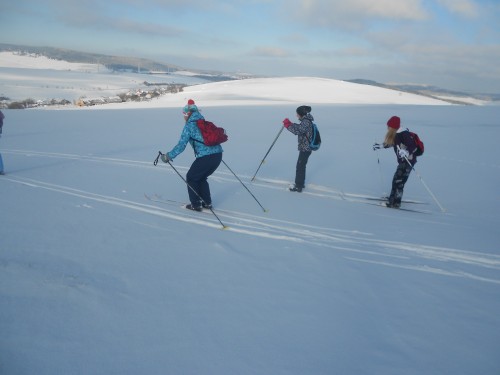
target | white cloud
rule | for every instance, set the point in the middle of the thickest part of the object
(269, 52)
(464, 8)
(97, 17)
(355, 14)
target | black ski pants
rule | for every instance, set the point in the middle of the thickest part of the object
(300, 172)
(398, 182)
(197, 177)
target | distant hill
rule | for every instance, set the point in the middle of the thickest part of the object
(135, 64)
(430, 91)
(115, 63)
(111, 62)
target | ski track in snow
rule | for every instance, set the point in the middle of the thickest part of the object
(409, 256)
(222, 176)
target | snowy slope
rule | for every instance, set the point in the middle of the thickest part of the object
(23, 77)
(40, 78)
(30, 61)
(295, 90)
(96, 279)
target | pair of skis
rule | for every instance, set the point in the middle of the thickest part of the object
(382, 202)
(158, 199)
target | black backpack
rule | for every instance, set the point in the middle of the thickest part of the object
(418, 143)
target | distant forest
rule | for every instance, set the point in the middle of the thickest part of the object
(118, 63)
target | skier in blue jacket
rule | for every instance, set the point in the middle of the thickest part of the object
(208, 159)
(1, 126)
(1, 121)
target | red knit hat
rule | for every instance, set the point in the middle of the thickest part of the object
(190, 107)
(394, 122)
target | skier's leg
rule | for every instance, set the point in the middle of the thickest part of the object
(193, 178)
(300, 170)
(211, 163)
(398, 183)
(404, 174)
(197, 177)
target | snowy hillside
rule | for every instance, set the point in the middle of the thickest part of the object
(97, 279)
(33, 61)
(40, 78)
(280, 91)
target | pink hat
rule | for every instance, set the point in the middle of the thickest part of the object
(190, 102)
(394, 122)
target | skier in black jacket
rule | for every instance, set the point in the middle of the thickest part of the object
(405, 148)
(304, 131)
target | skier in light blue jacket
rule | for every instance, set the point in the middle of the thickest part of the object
(208, 159)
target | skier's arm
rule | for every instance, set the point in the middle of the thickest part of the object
(299, 128)
(181, 145)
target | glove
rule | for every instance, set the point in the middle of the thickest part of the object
(165, 158)
(286, 123)
(376, 146)
(403, 154)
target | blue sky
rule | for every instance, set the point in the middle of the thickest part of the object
(453, 44)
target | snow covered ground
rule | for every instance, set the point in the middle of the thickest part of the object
(97, 279)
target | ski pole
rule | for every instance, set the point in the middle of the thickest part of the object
(425, 185)
(158, 157)
(267, 153)
(263, 209)
(189, 186)
(376, 147)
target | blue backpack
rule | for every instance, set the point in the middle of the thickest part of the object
(315, 142)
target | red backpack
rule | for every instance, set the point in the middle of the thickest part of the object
(418, 142)
(212, 134)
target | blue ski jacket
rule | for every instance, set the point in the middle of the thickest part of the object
(191, 134)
